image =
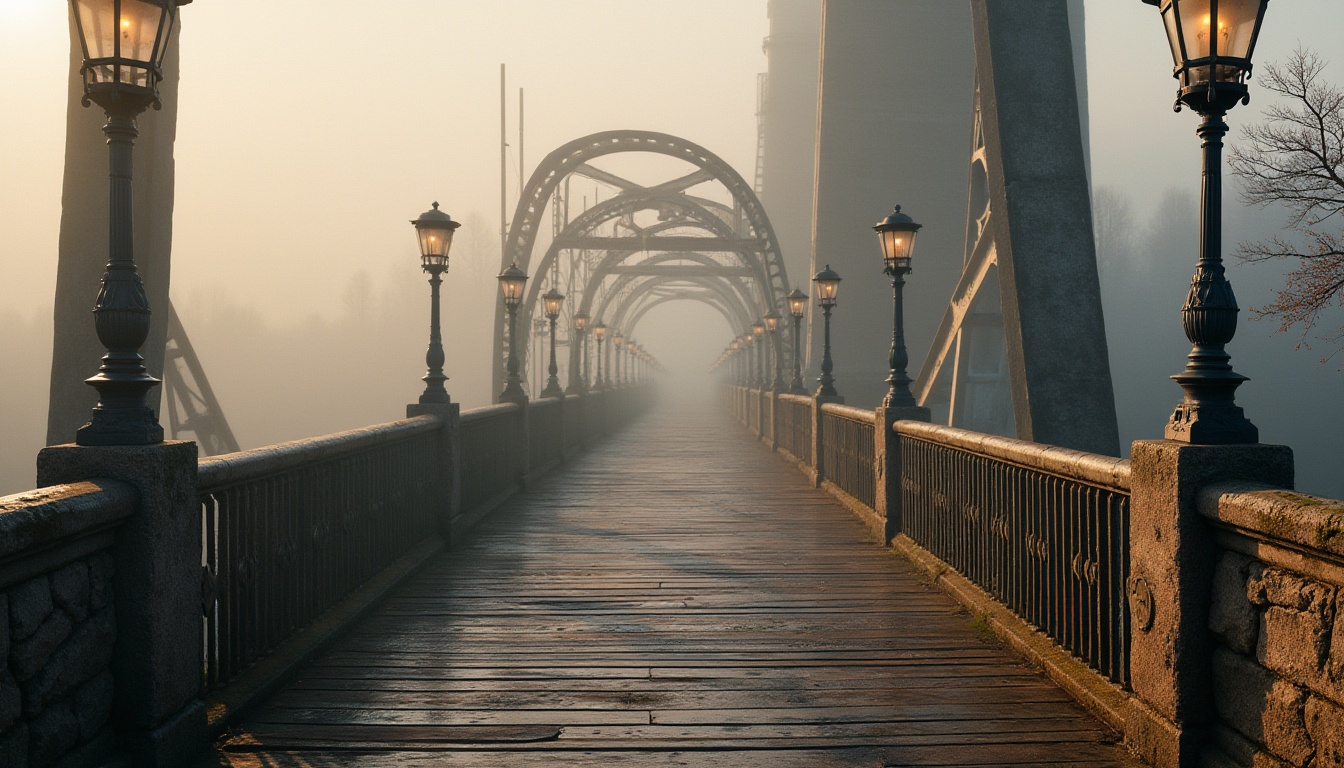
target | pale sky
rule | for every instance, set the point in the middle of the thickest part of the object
(306, 141)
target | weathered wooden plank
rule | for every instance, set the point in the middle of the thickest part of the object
(698, 607)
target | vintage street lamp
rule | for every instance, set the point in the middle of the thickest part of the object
(617, 346)
(736, 345)
(579, 378)
(797, 307)
(897, 236)
(600, 335)
(758, 338)
(511, 283)
(828, 285)
(123, 43)
(434, 231)
(1212, 42)
(632, 372)
(552, 301)
(772, 325)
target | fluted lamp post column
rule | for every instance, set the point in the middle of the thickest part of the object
(511, 284)
(897, 235)
(1212, 70)
(578, 378)
(123, 44)
(552, 301)
(828, 285)
(434, 231)
(599, 337)
(797, 307)
(772, 325)
(758, 338)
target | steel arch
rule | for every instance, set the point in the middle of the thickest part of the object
(744, 223)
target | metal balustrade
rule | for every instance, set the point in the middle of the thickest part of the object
(795, 426)
(290, 530)
(1044, 530)
(848, 451)
(546, 433)
(491, 453)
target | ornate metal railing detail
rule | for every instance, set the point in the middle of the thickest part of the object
(491, 453)
(795, 426)
(292, 529)
(1044, 530)
(546, 433)
(848, 451)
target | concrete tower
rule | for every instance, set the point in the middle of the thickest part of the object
(788, 124)
(894, 127)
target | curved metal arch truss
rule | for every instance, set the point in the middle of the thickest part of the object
(615, 268)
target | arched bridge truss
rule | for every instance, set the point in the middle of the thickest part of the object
(644, 246)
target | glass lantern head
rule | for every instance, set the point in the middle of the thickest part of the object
(797, 302)
(1212, 43)
(511, 283)
(434, 230)
(124, 43)
(828, 285)
(896, 233)
(553, 299)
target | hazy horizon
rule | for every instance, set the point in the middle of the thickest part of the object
(306, 144)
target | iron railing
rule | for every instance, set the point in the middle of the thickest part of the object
(491, 453)
(545, 433)
(290, 530)
(848, 451)
(795, 426)
(767, 415)
(573, 432)
(1044, 530)
(754, 410)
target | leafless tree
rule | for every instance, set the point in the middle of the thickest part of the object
(1295, 158)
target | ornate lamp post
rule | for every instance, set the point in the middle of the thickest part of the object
(511, 283)
(758, 338)
(897, 235)
(123, 42)
(772, 325)
(1212, 42)
(553, 300)
(735, 345)
(828, 285)
(617, 346)
(632, 362)
(600, 335)
(579, 379)
(797, 306)
(434, 231)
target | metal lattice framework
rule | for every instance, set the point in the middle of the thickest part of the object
(615, 265)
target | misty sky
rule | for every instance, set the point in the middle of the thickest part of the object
(310, 131)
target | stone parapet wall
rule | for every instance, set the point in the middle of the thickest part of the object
(58, 624)
(1277, 617)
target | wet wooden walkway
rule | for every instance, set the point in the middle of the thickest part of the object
(677, 597)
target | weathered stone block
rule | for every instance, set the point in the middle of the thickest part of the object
(1292, 643)
(1232, 617)
(4, 629)
(100, 581)
(1335, 664)
(1261, 706)
(14, 747)
(93, 705)
(86, 654)
(51, 735)
(1274, 586)
(1325, 723)
(29, 606)
(1230, 749)
(11, 702)
(27, 657)
(70, 590)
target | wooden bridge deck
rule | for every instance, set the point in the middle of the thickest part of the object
(677, 597)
